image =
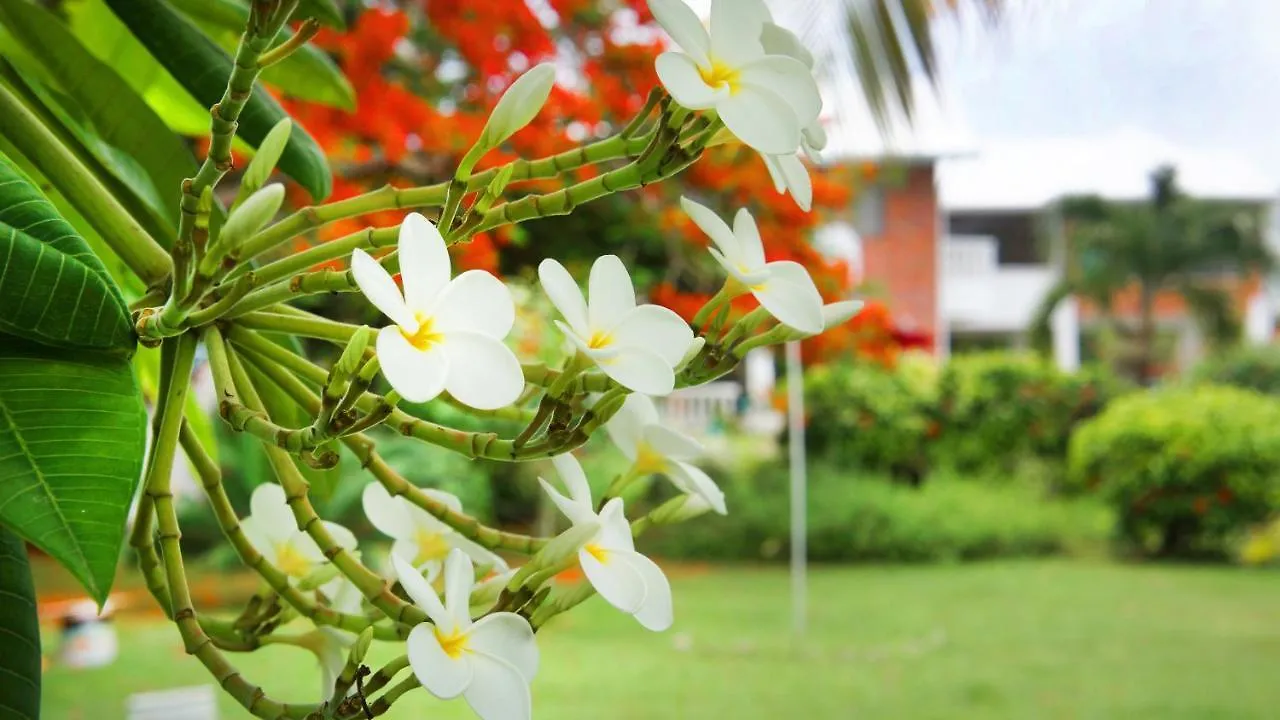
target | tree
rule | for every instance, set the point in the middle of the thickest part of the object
(1170, 243)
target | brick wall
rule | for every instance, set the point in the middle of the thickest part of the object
(902, 261)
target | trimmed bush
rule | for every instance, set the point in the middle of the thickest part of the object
(997, 409)
(1186, 469)
(1253, 367)
(855, 517)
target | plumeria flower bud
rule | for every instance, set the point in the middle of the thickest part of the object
(655, 448)
(447, 333)
(764, 99)
(272, 531)
(251, 215)
(518, 105)
(626, 579)
(784, 288)
(637, 346)
(489, 662)
(420, 538)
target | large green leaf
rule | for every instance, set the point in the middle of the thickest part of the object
(52, 287)
(72, 428)
(307, 74)
(109, 106)
(203, 68)
(19, 633)
(323, 10)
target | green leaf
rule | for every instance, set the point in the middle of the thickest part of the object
(264, 161)
(72, 428)
(325, 11)
(203, 68)
(20, 628)
(111, 109)
(52, 287)
(308, 73)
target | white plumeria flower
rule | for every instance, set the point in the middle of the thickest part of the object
(490, 662)
(637, 346)
(419, 537)
(783, 287)
(626, 579)
(447, 333)
(764, 99)
(838, 313)
(334, 644)
(655, 448)
(273, 531)
(777, 40)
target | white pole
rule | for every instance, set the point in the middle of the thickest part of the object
(795, 428)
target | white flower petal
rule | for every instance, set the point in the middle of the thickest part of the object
(656, 612)
(788, 78)
(654, 328)
(672, 443)
(619, 583)
(778, 40)
(715, 228)
(761, 119)
(448, 499)
(626, 427)
(344, 537)
(332, 656)
(839, 313)
(748, 234)
(483, 372)
(564, 293)
(302, 544)
(507, 636)
(269, 506)
(684, 27)
(813, 139)
(497, 691)
(790, 296)
(679, 74)
(641, 370)
(442, 676)
(479, 554)
(775, 172)
(380, 289)
(610, 294)
(577, 340)
(692, 480)
(574, 478)
(790, 175)
(256, 531)
(574, 511)
(343, 595)
(735, 271)
(421, 592)
(417, 375)
(615, 531)
(424, 261)
(735, 32)
(389, 515)
(475, 301)
(459, 576)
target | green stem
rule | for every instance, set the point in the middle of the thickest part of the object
(313, 326)
(118, 229)
(384, 703)
(339, 248)
(321, 281)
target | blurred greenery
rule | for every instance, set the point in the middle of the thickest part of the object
(1011, 639)
(1256, 367)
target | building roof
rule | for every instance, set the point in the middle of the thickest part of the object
(1028, 174)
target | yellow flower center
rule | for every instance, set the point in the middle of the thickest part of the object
(431, 546)
(454, 643)
(426, 335)
(719, 75)
(649, 460)
(290, 561)
(600, 340)
(597, 552)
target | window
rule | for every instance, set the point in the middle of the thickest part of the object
(868, 211)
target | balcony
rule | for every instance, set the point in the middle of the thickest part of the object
(981, 295)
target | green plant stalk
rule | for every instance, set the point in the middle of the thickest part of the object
(391, 198)
(384, 703)
(386, 674)
(586, 382)
(304, 326)
(243, 418)
(339, 248)
(564, 200)
(118, 229)
(305, 32)
(222, 305)
(371, 585)
(650, 102)
(211, 481)
(311, 283)
(363, 448)
(472, 444)
(180, 356)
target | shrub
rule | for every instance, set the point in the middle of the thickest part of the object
(865, 416)
(1253, 367)
(864, 517)
(1184, 468)
(999, 408)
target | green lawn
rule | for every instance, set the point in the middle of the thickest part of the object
(1043, 639)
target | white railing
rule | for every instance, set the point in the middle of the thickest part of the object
(696, 410)
(970, 255)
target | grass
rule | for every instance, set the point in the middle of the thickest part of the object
(1033, 639)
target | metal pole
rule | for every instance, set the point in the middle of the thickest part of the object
(799, 535)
